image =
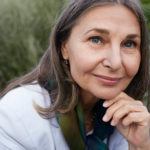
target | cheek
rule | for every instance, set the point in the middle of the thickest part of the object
(132, 65)
(79, 66)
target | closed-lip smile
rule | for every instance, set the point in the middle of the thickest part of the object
(107, 80)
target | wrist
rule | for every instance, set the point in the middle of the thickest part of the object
(143, 147)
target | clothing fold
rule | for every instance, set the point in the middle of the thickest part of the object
(73, 127)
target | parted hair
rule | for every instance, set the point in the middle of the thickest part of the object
(53, 74)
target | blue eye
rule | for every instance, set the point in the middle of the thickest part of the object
(96, 40)
(130, 44)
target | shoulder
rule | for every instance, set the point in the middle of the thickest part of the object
(117, 141)
(19, 102)
(25, 94)
(21, 127)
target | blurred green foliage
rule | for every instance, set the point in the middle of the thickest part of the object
(25, 27)
(146, 7)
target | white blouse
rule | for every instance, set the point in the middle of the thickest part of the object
(21, 127)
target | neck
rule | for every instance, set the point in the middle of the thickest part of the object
(88, 101)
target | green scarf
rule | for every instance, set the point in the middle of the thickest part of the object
(73, 129)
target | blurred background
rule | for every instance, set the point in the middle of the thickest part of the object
(25, 27)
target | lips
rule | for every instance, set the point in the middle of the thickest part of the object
(107, 80)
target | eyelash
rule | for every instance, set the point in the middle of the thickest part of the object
(96, 38)
(134, 44)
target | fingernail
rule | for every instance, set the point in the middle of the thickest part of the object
(105, 104)
(105, 118)
(113, 123)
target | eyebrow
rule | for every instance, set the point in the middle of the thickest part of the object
(133, 36)
(102, 31)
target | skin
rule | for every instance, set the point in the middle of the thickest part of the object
(104, 55)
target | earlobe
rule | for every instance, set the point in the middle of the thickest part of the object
(64, 51)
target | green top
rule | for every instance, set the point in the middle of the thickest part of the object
(73, 128)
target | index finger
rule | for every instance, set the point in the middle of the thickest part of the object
(109, 102)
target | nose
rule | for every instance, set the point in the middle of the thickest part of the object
(113, 59)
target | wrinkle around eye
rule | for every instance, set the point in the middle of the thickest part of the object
(131, 50)
(131, 43)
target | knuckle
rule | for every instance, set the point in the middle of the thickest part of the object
(116, 117)
(139, 102)
(148, 116)
(131, 116)
(129, 107)
(145, 108)
(125, 122)
(108, 112)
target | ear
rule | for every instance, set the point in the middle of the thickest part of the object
(64, 51)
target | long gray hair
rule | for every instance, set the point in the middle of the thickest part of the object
(53, 74)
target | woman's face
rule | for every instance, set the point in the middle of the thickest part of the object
(104, 50)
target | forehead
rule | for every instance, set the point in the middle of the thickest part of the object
(109, 16)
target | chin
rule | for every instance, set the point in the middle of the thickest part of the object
(108, 95)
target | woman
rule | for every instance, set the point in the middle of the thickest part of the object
(89, 85)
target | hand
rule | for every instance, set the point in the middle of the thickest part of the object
(131, 118)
